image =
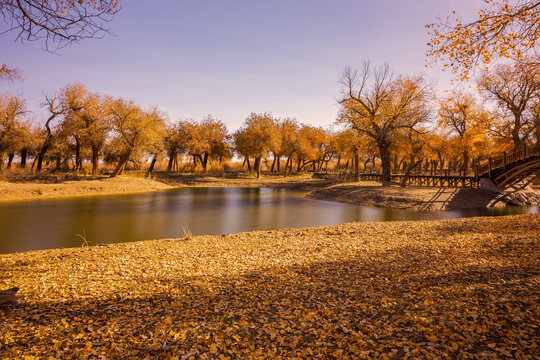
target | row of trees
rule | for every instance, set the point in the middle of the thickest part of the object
(387, 109)
(395, 119)
(81, 124)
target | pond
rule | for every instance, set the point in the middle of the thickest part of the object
(47, 224)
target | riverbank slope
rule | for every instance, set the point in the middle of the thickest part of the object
(422, 198)
(429, 289)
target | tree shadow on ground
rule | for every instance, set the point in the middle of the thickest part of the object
(474, 228)
(404, 301)
(460, 198)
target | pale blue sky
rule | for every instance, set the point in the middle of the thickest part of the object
(229, 58)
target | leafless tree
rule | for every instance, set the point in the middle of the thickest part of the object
(378, 105)
(9, 74)
(514, 88)
(55, 109)
(57, 22)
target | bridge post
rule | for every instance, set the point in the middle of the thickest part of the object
(524, 154)
(490, 167)
(476, 171)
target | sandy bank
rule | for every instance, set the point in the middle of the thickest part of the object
(300, 182)
(58, 188)
(433, 289)
(421, 198)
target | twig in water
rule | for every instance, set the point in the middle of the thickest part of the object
(187, 232)
(83, 236)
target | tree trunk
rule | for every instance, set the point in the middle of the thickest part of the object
(365, 163)
(287, 165)
(152, 164)
(248, 164)
(278, 161)
(121, 165)
(10, 159)
(384, 150)
(78, 159)
(172, 156)
(410, 168)
(1, 161)
(356, 166)
(515, 131)
(60, 163)
(95, 159)
(24, 153)
(398, 168)
(258, 166)
(465, 166)
(273, 164)
(204, 160)
(537, 128)
(395, 162)
(41, 155)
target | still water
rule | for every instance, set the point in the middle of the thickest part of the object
(47, 224)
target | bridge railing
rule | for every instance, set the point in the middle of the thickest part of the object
(417, 172)
(508, 158)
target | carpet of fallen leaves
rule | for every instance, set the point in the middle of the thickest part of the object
(464, 289)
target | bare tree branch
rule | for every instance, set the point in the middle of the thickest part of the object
(57, 22)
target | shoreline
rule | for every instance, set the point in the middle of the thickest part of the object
(366, 193)
(360, 288)
(65, 189)
(423, 198)
(126, 184)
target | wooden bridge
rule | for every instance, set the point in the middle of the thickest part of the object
(443, 180)
(508, 169)
(504, 171)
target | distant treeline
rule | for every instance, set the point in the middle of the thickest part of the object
(395, 119)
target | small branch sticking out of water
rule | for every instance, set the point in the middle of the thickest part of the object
(187, 232)
(83, 237)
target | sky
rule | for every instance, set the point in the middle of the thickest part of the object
(229, 58)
